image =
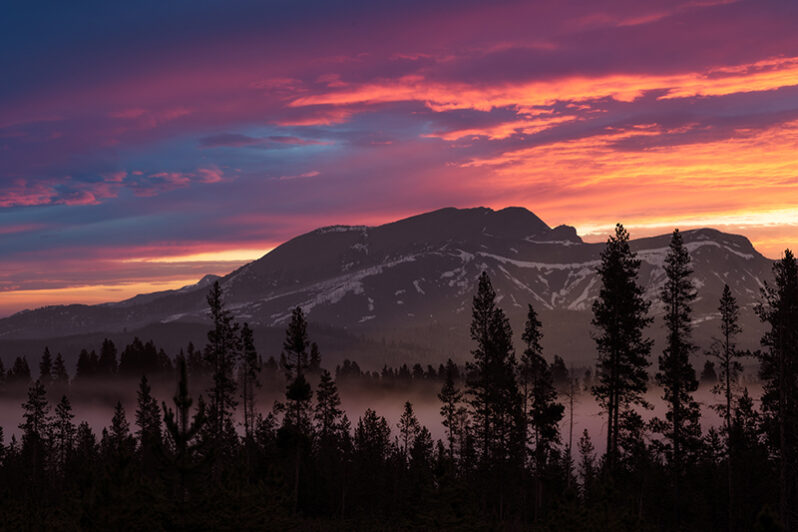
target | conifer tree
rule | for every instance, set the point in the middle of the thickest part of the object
(779, 371)
(491, 385)
(148, 423)
(64, 432)
(420, 454)
(107, 363)
(559, 373)
(587, 462)
(371, 450)
(724, 349)
(332, 442)
(543, 413)
(531, 357)
(372, 438)
(59, 372)
(183, 429)
(45, 367)
(496, 402)
(328, 407)
(250, 368)
(450, 397)
(85, 368)
(409, 428)
(94, 362)
(119, 441)
(620, 318)
(20, 371)
(298, 392)
(676, 374)
(221, 353)
(36, 427)
(85, 443)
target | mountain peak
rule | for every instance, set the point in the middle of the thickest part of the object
(419, 274)
(453, 223)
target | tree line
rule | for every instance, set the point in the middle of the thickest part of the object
(217, 461)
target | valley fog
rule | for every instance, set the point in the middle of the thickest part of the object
(95, 405)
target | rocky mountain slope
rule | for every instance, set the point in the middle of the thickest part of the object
(413, 280)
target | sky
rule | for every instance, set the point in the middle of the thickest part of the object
(145, 144)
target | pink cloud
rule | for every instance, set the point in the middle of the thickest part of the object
(313, 173)
(24, 193)
(210, 175)
(116, 177)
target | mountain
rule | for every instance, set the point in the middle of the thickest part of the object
(412, 281)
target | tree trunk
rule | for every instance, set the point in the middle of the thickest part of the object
(296, 477)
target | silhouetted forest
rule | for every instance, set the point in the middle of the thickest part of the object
(211, 458)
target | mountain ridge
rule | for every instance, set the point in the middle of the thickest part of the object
(415, 278)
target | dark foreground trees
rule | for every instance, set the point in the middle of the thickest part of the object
(497, 464)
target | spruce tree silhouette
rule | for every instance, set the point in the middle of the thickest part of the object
(779, 371)
(676, 374)
(724, 350)
(620, 317)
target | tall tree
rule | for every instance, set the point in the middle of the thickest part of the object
(86, 366)
(450, 396)
(724, 349)
(296, 364)
(183, 429)
(491, 383)
(332, 442)
(148, 423)
(587, 462)
(493, 394)
(779, 372)
(107, 363)
(64, 432)
(676, 374)
(59, 372)
(250, 368)
(298, 391)
(46, 367)
(221, 354)
(36, 427)
(542, 411)
(620, 316)
(119, 443)
(409, 428)
(20, 371)
(328, 407)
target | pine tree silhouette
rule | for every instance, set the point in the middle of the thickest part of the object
(676, 374)
(779, 371)
(620, 317)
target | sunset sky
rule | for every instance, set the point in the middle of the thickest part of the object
(145, 144)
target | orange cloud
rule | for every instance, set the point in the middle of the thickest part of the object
(746, 184)
(764, 75)
(526, 126)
